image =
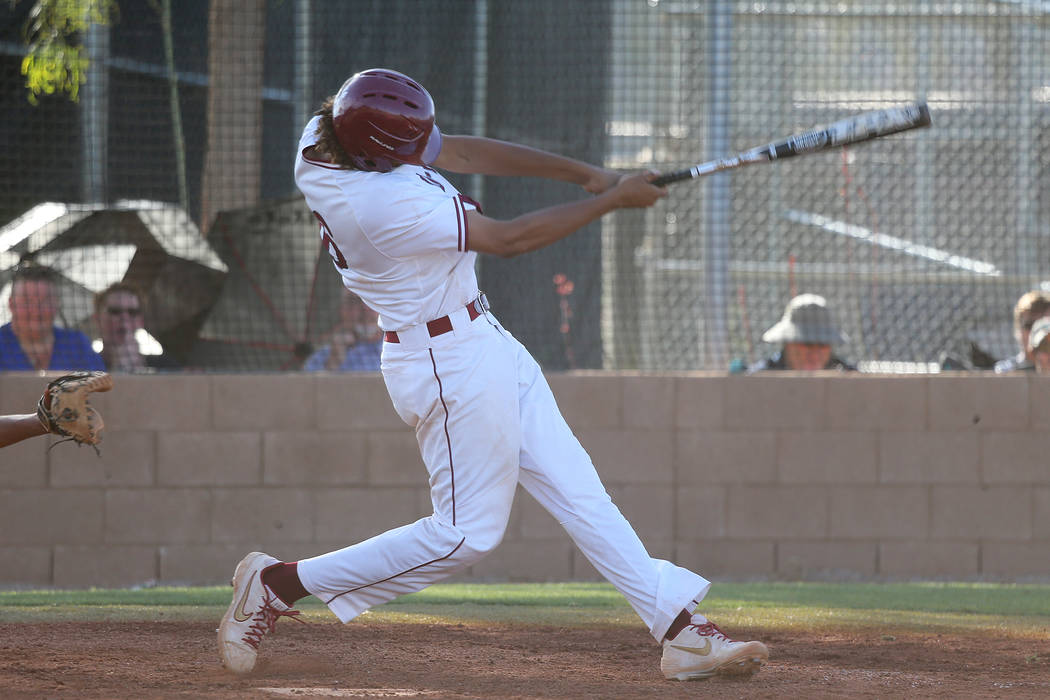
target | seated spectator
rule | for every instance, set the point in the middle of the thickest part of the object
(31, 341)
(1031, 307)
(355, 343)
(1039, 345)
(119, 314)
(806, 333)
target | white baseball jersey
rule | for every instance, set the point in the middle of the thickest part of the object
(482, 411)
(399, 239)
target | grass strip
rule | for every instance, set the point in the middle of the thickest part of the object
(1016, 610)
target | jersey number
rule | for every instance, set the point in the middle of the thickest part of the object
(329, 244)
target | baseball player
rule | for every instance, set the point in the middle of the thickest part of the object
(19, 427)
(405, 241)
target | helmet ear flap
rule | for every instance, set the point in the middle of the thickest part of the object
(383, 118)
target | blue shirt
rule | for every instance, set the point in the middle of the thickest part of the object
(72, 351)
(363, 357)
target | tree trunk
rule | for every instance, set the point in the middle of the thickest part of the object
(233, 156)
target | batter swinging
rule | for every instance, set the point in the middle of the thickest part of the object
(405, 240)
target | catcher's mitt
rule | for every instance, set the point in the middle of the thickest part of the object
(64, 409)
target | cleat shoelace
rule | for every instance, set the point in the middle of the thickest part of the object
(265, 620)
(710, 629)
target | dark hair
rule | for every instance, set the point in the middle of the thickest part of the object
(128, 287)
(31, 272)
(327, 144)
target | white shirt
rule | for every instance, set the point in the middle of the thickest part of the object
(399, 239)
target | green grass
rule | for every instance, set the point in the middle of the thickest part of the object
(1022, 610)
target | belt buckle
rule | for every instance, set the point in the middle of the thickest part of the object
(481, 304)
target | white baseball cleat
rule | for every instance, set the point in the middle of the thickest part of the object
(702, 651)
(253, 613)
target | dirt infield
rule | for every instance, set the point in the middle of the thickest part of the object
(368, 660)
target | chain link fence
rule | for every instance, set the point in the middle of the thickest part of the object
(173, 171)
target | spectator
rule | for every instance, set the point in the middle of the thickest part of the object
(356, 342)
(1031, 307)
(807, 334)
(119, 313)
(1039, 345)
(31, 341)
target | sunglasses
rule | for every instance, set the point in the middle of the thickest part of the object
(117, 310)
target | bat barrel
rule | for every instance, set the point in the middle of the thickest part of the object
(863, 127)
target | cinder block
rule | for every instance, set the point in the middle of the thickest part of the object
(25, 464)
(924, 559)
(978, 402)
(630, 456)
(394, 459)
(727, 558)
(157, 516)
(1039, 401)
(826, 560)
(20, 391)
(876, 403)
(703, 459)
(209, 459)
(649, 509)
(847, 457)
(770, 400)
(588, 400)
(988, 512)
(202, 564)
(263, 402)
(700, 512)
(355, 401)
(1015, 458)
(124, 459)
(916, 457)
(25, 566)
(862, 512)
(527, 561)
(46, 517)
(176, 402)
(583, 570)
(315, 458)
(1010, 561)
(351, 515)
(1041, 517)
(648, 401)
(104, 567)
(700, 401)
(272, 515)
(781, 512)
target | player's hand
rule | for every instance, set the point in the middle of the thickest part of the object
(601, 180)
(634, 191)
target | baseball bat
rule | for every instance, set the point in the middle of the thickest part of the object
(855, 129)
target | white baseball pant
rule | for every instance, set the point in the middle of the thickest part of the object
(486, 419)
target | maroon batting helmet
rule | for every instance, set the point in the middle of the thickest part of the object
(383, 118)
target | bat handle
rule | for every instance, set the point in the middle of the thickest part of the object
(676, 176)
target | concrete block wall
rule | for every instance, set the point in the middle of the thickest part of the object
(763, 477)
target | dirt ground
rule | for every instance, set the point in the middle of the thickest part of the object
(372, 660)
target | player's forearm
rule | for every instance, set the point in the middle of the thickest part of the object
(19, 427)
(540, 228)
(478, 155)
